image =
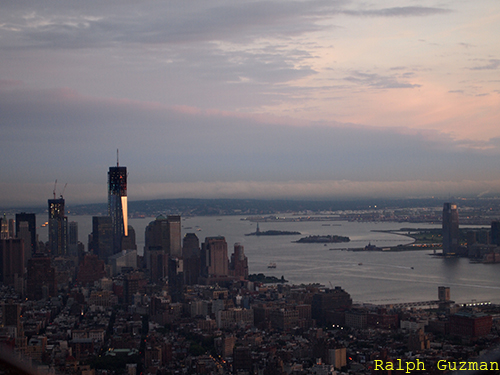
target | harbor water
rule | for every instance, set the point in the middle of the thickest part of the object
(373, 277)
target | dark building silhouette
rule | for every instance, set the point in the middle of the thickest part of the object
(58, 228)
(132, 284)
(214, 260)
(175, 278)
(157, 265)
(12, 263)
(451, 234)
(156, 234)
(325, 304)
(117, 204)
(90, 270)
(495, 233)
(191, 256)
(30, 219)
(238, 267)
(11, 316)
(101, 239)
(11, 226)
(470, 323)
(25, 235)
(156, 249)
(73, 238)
(41, 279)
(128, 242)
(242, 359)
(174, 235)
(162, 241)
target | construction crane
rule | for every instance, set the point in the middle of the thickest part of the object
(54, 191)
(64, 188)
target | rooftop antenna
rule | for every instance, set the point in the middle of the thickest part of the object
(117, 158)
(54, 191)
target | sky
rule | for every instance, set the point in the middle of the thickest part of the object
(287, 99)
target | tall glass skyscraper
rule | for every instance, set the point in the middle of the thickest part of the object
(117, 204)
(31, 243)
(451, 233)
(58, 228)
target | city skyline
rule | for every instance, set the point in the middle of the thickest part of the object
(255, 99)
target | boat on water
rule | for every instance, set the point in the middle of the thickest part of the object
(271, 265)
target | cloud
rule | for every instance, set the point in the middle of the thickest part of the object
(410, 11)
(493, 64)
(10, 83)
(102, 25)
(380, 82)
(198, 91)
(61, 134)
(467, 45)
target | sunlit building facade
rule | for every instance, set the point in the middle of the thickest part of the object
(117, 204)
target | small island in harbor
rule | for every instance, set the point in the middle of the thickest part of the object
(324, 239)
(258, 232)
(261, 278)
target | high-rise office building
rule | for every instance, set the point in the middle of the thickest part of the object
(11, 313)
(451, 234)
(191, 256)
(239, 263)
(25, 235)
(175, 278)
(73, 239)
(162, 241)
(4, 228)
(214, 257)
(58, 228)
(41, 279)
(12, 263)
(156, 234)
(117, 204)
(157, 264)
(11, 228)
(30, 219)
(324, 303)
(90, 270)
(128, 242)
(174, 234)
(156, 249)
(495, 233)
(101, 239)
